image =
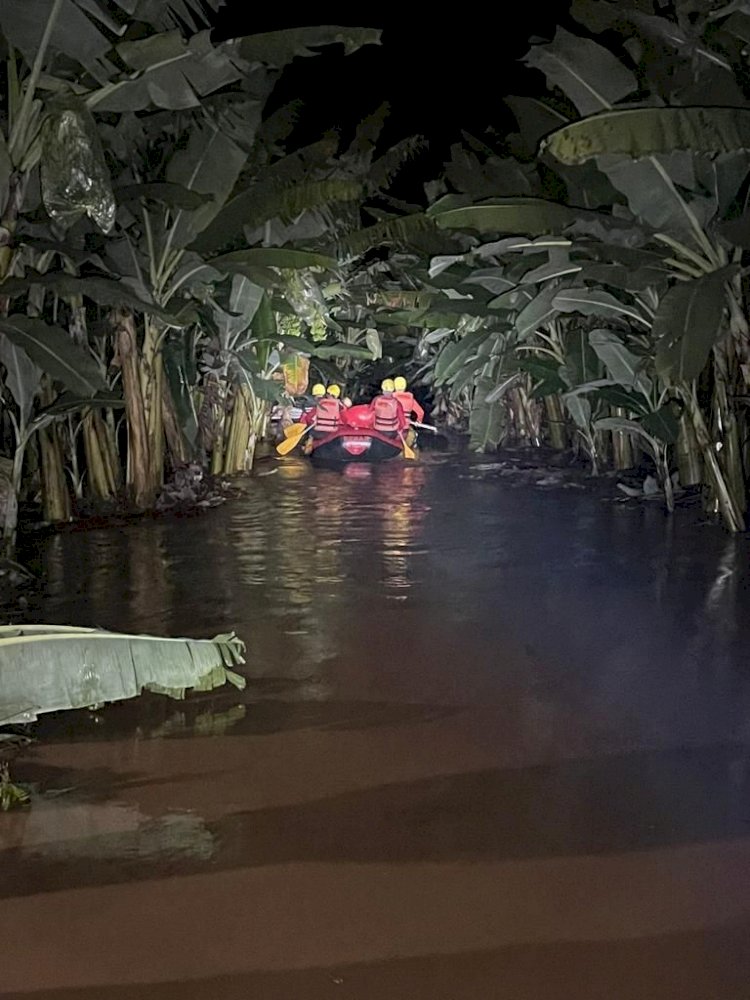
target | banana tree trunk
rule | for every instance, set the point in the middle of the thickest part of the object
(139, 479)
(10, 523)
(727, 431)
(558, 437)
(152, 390)
(101, 457)
(731, 512)
(55, 496)
(689, 460)
(238, 436)
(177, 446)
(622, 448)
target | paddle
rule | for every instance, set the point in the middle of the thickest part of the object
(423, 427)
(293, 439)
(408, 452)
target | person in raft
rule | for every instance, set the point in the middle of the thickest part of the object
(388, 415)
(325, 416)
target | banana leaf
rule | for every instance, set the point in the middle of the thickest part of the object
(530, 216)
(487, 420)
(638, 132)
(51, 668)
(688, 323)
(278, 48)
(591, 76)
(54, 352)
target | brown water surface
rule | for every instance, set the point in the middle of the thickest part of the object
(495, 745)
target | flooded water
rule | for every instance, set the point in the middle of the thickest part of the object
(495, 744)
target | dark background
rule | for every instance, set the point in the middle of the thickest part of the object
(440, 69)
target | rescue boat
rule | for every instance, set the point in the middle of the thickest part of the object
(355, 440)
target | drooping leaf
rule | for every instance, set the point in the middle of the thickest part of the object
(6, 169)
(545, 373)
(181, 373)
(343, 351)
(531, 216)
(581, 367)
(535, 119)
(593, 302)
(73, 34)
(244, 301)
(169, 72)
(253, 208)
(663, 424)
(657, 199)
(487, 419)
(407, 230)
(298, 344)
(688, 323)
(540, 310)
(69, 402)
(580, 410)
(103, 291)
(503, 386)
(457, 353)
(374, 343)
(590, 75)
(209, 165)
(278, 48)
(172, 195)
(21, 376)
(623, 366)
(239, 261)
(52, 350)
(615, 395)
(624, 426)
(639, 132)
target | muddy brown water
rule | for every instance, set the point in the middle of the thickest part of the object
(494, 745)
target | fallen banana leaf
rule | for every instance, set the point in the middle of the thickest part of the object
(51, 668)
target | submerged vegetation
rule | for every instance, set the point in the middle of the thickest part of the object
(171, 266)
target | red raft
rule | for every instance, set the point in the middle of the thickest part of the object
(355, 440)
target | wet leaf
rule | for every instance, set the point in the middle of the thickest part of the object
(688, 323)
(52, 350)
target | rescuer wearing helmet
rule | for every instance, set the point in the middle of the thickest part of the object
(325, 416)
(407, 400)
(388, 414)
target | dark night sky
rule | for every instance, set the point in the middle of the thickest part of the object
(439, 72)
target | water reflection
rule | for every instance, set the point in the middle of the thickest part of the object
(623, 609)
(59, 830)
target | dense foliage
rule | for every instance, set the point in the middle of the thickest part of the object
(170, 267)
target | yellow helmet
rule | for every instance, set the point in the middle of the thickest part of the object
(387, 385)
(399, 383)
(334, 390)
(318, 389)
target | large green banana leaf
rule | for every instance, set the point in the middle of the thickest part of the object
(52, 350)
(530, 216)
(687, 324)
(639, 132)
(591, 76)
(50, 668)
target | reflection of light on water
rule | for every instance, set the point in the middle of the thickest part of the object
(64, 830)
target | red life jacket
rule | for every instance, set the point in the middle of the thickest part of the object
(388, 415)
(409, 404)
(327, 416)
